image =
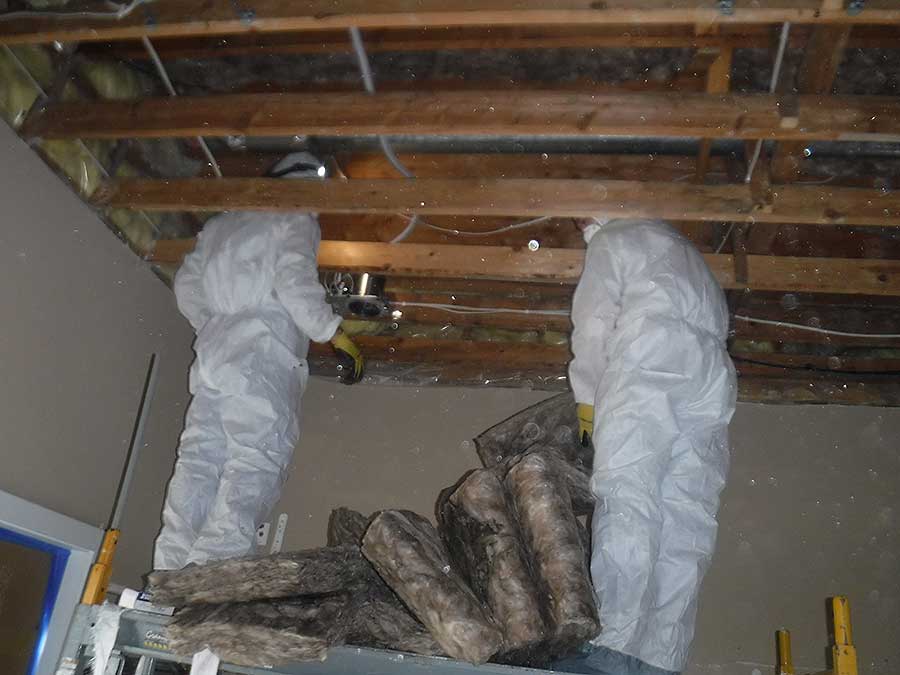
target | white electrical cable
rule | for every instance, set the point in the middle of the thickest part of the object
(725, 238)
(120, 13)
(485, 233)
(365, 70)
(467, 309)
(773, 85)
(164, 76)
(37, 85)
(814, 329)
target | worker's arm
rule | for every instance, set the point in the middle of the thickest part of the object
(297, 280)
(189, 291)
(595, 309)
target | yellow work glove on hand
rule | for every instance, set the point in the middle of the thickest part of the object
(585, 423)
(349, 358)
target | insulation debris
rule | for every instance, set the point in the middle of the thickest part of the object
(483, 539)
(346, 526)
(543, 506)
(409, 555)
(504, 577)
(271, 632)
(320, 571)
(551, 423)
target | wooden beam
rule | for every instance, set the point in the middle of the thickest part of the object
(629, 36)
(173, 18)
(468, 38)
(718, 81)
(767, 273)
(491, 165)
(546, 113)
(422, 361)
(821, 205)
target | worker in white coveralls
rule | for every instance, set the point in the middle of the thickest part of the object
(655, 390)
(251, 291)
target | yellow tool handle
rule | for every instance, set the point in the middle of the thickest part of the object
(785, 658)
(843, 653)
(98, 579)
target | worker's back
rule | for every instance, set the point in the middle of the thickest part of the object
(661, 273)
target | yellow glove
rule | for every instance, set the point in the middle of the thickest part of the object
(349, 358)
(585, 423)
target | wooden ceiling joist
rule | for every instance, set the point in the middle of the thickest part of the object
(543, 367)
(482, 38)
(799, 204)
(458, 113)
(448, 261)
(173, 18)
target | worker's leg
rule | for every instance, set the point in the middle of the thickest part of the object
(261, 429)
(690, 500)
(193, 487)
(634, 430)
(690, 495)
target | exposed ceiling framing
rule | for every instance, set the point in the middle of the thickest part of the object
(808, 246)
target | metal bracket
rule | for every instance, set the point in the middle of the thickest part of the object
(856, 7)
(726, 7)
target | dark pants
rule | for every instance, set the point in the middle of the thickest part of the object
(602, 661)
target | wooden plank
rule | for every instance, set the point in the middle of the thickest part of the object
(718, 81)
(245, 164)
(768, 273)
(469, 38)
(420, 361)
(525, 354)
(481, 38)
(822, 205)
(173, 18)
(496, 113)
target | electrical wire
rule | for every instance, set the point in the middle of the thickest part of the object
(811, 368)
(814, 329)
(773, 84)
(118, 14)
(365, 70)
(80, 142)
(467, 309)
(484, 233)
(725, 238)
(164, 76)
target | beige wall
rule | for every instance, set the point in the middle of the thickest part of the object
(81, 315)
(811, 508)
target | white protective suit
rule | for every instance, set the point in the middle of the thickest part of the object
(650, 324)
(251, 291)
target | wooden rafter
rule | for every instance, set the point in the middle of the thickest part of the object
(714, 115)
(822, 205)
(769, 273)
(482, 38)
(172, 18)
(541, 366)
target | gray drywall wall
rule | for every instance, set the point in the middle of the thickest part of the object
(81, 315)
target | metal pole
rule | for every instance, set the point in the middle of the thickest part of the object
(137, 439)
